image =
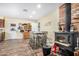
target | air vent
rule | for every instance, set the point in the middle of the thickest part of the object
(25, 10)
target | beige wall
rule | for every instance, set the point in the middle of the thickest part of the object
(50, 23)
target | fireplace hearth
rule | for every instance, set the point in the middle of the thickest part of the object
(67, 42)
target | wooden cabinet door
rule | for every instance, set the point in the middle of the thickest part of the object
(26, 35)
(1, 23)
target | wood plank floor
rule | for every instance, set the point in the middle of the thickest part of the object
(17, 47)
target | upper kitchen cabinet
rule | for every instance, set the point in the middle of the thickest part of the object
(2, 21)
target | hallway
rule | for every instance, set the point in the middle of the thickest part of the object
(18, 47)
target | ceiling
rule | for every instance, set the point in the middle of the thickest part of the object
(26, 10)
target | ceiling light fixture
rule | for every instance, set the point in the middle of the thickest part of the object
(30, 16)
(39, 6)
(33, 12)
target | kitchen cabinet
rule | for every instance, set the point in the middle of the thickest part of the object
(2, 36)
(2, 32)
(26, 35)
(27, 29)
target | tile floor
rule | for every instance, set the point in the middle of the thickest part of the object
(18, 47)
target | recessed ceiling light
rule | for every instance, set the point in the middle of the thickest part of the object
(33, 12)
(39, 6)
(30, 16)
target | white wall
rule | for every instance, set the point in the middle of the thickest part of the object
(50, 23)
